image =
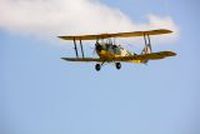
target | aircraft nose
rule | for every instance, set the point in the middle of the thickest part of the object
(98, 47)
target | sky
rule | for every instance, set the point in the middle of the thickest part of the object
(40, 93)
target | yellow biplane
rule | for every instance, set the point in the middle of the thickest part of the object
(110, 52)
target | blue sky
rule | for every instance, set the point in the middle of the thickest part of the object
(40, 93)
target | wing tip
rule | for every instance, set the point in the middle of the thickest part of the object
(61, 37)
(63, 58)
(167, 30)
(171, 53)
(168, 53)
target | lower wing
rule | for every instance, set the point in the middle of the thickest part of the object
(151, 56)
(83, 59)
(143, 57)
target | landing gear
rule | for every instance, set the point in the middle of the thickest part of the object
(118, 65)
(98, 67)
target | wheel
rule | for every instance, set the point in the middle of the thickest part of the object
(118, 65)
(98, 67)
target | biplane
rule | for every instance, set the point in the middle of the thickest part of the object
(109, 51)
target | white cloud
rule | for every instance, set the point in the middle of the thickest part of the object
(57, 17)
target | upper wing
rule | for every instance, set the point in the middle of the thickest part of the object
(151, 56)
(116, 35)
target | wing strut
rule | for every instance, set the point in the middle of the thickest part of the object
(76, 48)
(149, 44)
(147, 41)
(82, 49)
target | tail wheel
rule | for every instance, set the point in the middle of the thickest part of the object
(98, 67)
(118, 65)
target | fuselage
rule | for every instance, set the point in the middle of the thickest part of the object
(108, 51)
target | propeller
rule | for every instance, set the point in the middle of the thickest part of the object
(94, 49)
(94, 52)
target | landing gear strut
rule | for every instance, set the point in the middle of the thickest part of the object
(98, 67)
(118, 65)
